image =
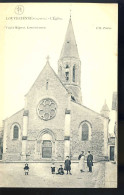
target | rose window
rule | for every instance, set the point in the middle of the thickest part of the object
(46, 109)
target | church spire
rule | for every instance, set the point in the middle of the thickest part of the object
(69, 47)
(69, 65)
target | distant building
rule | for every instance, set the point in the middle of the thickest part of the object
(111, 148)
(1, 143)
(112, 139)
(114, 108)
(114, 101)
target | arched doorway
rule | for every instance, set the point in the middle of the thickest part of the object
(46, 146)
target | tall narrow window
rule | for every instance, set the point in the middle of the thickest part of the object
(15, 132)
(67, 76)
(46, 85)
(74, 73)
(85, 132)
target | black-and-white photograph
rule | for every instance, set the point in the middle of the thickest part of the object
(58, 72)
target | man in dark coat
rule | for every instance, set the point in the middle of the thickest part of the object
(90, 161)
(67, 165)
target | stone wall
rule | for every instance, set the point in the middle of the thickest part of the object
(56, 91)
(34, 144)
(13, 146)
(96, 143)
(11, 157)
(60, 150)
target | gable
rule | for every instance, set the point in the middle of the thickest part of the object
(47, 81)
(47, 87)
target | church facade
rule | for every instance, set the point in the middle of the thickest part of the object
(54, 123)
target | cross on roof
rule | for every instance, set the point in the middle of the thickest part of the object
(47, 58)
(70, 13)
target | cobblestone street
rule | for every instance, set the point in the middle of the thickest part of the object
(40, 176)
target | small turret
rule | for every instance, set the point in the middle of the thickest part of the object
(105, 110)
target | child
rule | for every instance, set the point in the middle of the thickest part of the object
(26, 169)
(60, 170)
(68, 165)
(53, 168)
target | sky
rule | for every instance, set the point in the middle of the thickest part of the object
(23, 51)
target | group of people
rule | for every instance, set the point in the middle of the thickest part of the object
(82, 159)
(67, 165)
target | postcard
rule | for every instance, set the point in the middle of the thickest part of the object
(58, 77)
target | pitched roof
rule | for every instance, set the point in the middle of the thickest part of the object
(14, 114)
(89, 109)
(47, 67)
(69, 48)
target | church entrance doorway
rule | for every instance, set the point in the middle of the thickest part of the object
(47, 149)
(45, 146)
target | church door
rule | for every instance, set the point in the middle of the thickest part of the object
(46, 149)
(111, 152)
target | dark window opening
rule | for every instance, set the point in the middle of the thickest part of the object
(16, 132)
(72, 97)
(74, 73)
(67, 66)
(67, 76)
(85, 132)
(112, 153)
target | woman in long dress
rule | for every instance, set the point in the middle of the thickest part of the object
(81, 162)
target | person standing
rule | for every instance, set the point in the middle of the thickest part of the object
(90, 161)
(67, 165)
(53, 168)
(26, 169)
(81, 159)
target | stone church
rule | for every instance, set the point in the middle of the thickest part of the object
(54, 123)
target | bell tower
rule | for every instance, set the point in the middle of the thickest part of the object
(69, 65)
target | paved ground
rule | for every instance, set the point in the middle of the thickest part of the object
(110, 175)
(12, 175)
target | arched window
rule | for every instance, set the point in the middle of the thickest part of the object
(74, 73)
(85, 132)
(15, 132)
(67, 76)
